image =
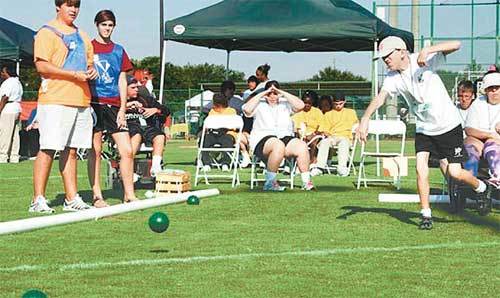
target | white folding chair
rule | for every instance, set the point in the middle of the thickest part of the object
(258, 173)
(352, 151)
(377, 128)
(216, 122)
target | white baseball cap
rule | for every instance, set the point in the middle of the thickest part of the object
(388, 45)
(491, 79)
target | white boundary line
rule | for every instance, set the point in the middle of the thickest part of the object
(198, 259)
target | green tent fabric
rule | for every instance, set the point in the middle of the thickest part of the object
(283, 25)
(16, 42)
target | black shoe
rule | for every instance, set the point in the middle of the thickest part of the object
(425, 223)
(484, 202)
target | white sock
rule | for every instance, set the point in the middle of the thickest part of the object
(306, 177)
(156, 161)
(481, 188)
(426, 212)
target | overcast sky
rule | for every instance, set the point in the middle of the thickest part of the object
(138, 31)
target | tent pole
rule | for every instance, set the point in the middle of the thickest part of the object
(375, 92)
(162, 33)
(227, 64)
(162, 77)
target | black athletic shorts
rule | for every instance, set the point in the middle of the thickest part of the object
(260, 146)
(449, 145)
(147, 133)
(106, 118)
(247, 123)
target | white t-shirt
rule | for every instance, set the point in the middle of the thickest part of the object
(425, 94)
(271, 121)
(482, 115)
(463, 115)
(247, 93)
(13, 89)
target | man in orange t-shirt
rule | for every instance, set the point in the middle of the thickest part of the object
(63, 56)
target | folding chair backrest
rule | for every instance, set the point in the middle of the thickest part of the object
(229, 122)
(387, 127)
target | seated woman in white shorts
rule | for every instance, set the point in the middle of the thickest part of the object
(272, 137)
(483, 129)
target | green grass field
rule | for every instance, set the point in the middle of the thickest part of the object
(335, 241)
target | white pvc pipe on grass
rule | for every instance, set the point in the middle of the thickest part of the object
(29, 224)
(413, 198)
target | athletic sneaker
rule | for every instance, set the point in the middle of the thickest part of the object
(225, 168)
(426, 223)
(484, 200)
(494, 181)
(40, 206)
(245, 160)
(343, 171)
(273, 186)
(308, 186)
(77, 204)
(316, 172)
(155, 170)
(206, 168)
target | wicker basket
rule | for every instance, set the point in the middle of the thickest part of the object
(173, 181)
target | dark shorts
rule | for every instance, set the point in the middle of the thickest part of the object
(449, 145)
(147, 133)
(247, 124)
(106, 119)
(260, 146)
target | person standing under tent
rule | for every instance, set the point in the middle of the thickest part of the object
(438, 129)
(63, 57)
(109, 100)
(11, 92)
(262, 74)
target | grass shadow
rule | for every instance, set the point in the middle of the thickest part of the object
(159, 251)
(87, 196)
(470, 215)
(406, 217)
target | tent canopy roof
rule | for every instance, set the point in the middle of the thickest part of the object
(16, 41)
(279, 25)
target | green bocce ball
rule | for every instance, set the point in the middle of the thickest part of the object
(193, 200)
(34, 294)
(158, 222)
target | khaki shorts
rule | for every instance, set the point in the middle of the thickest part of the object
(64, 126)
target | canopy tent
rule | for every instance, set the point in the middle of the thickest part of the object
(278, 25)
(289, 26)
(16, 42)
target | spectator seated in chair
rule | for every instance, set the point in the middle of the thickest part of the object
(483, 130)
(222, 137)
(338, 127)
(272, 137)
(308, 123)
(466, 96)
(145, 118)
(325, 104)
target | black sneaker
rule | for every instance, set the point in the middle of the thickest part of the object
(484, 202)
(426, 223)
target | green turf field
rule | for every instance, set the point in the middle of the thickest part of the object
(335, 241)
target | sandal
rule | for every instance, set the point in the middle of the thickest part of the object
(130, 200)
(99, 202)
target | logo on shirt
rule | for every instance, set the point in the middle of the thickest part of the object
(103, 67)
